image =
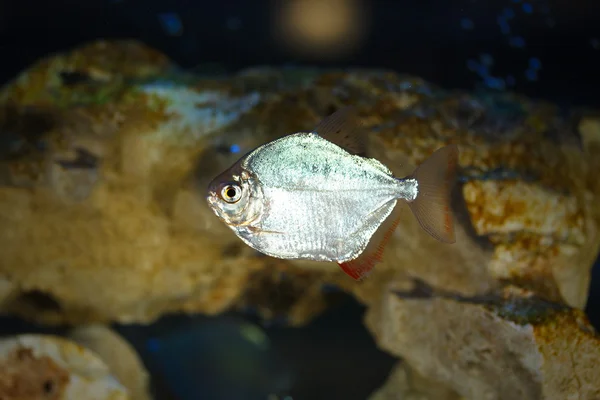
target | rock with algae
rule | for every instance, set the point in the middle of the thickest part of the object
(507, 345)
(107, 151)
(36, 367)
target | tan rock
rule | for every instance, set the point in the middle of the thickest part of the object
(120, 357)
(40, 367)
(103, 216)
(406, 384)
(507, 346)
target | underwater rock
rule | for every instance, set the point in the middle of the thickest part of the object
(406, 384)
(120, 357)
(40, 367)
(109, 149)
(508, 345)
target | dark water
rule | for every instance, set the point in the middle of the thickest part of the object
(545, 49)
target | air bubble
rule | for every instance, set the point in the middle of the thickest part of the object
(516, 41)
(466, 24)
(171, 23)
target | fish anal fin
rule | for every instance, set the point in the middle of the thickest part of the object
(362, 266)
(342, 129)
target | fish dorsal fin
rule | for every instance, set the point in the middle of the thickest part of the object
(342, 129)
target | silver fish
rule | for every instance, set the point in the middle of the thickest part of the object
(313, 196)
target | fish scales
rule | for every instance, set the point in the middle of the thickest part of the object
(319, 195)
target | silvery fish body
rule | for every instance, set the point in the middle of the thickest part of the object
(327, 206)
(312, 196)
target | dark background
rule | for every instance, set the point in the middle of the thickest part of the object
(421, 37)
(544, 49)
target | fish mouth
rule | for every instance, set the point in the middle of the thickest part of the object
(214, 203)
(211, 199)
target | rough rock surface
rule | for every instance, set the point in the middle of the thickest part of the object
(511, 345)
(120, 357)
(38, 367)
(406, 384)
(106, 151)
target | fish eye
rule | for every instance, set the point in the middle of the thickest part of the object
(231, 193)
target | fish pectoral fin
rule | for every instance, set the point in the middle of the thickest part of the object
(342, 128)
(254, 229)
(362, 266)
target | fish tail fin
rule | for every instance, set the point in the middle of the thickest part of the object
(435, 178)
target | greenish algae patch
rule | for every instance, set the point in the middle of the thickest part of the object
(526, 311)
(94, 74)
